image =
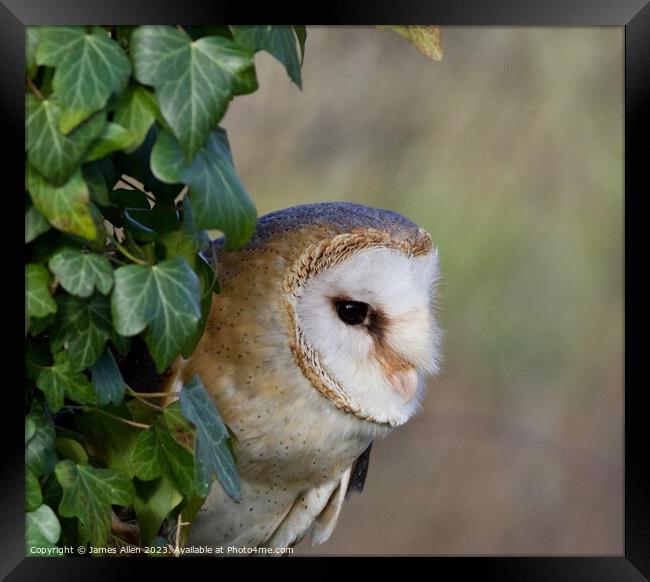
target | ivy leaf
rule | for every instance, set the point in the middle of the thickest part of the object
(100, 178)
(147, 224)
(110, 439)
(424, 38)
(107, 380)
(42, 529)
(126, 198)
(164, 300)
(157, 454)
(31, 42)
(30, 429)
(213, 458)
(113, 138)
(71, 449)
(38, 326)
(219, 200)
(33, 495)
(154, 501)
(60, 380)
(67, 207)
(280, 41)
(38, 301)
(136, 112)
(35, 224)
(208, 281)
(89, 69)
(40, 457)
(83, 327)
(301, 35)
(88, 494)
(81, 273)
(53, 154)
(194, 80)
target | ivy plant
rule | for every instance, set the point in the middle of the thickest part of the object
(126, 170)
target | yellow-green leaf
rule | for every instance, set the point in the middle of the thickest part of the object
(426, 39)
(38, 301)
(66, 207)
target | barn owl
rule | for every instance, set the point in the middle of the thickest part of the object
(319, 342)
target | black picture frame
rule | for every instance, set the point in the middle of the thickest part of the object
(634, 15)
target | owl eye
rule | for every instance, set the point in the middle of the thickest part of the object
(351, 312)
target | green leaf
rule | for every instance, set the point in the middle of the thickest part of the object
(89, 69)
(194, 80)
(38, 326)
(83, 327)
(126, 198)
(61, 380)
(67, 207)
(31, 42)
(301, 35)
(30, 429)
(40, 457)
(38, 300)
(53, 154)
(157, 454)
(81, 273)
(88, 494)
(154, 501)
(107, 380)
(219, 200)
(213, 458)
(33, 495)
(110, 439)
(164, 300)
(35, 224)
(42, 530)
(100, 178)
(280, 41)
(424, 38)
(113, 137)
(121, 344)
(147, 224)
(71, 449)
(136, 112)
(208, 280)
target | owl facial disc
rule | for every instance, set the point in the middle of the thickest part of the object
(364, 326)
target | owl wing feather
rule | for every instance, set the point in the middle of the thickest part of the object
(317, 510)
(359, 473)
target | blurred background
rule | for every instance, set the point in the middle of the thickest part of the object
(510, 153)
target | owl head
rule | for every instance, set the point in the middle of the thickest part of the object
(358, 287)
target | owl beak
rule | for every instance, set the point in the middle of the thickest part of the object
(405, 382)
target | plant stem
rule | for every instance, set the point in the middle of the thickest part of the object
(151, 394)
(124, 420)
(144, 400)
(128, 255)
(34, 89)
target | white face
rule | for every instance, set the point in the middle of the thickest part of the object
(371, 320)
